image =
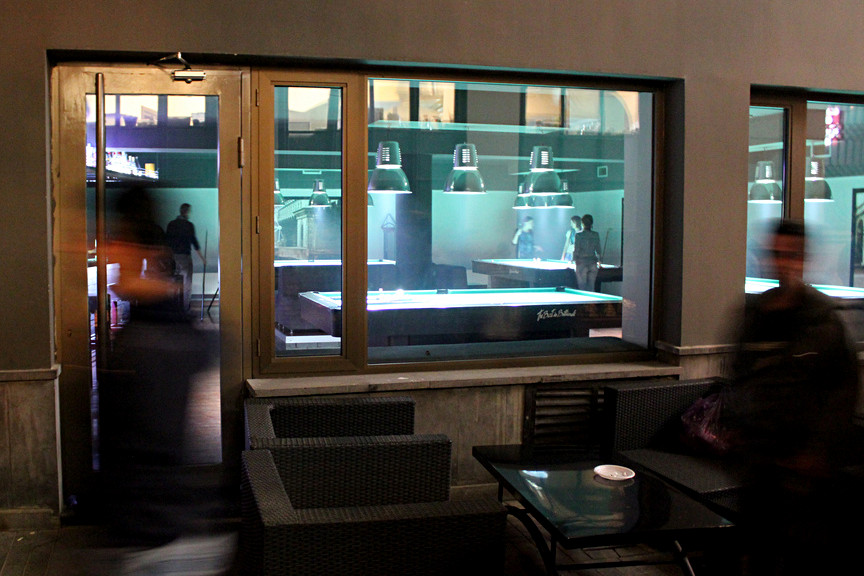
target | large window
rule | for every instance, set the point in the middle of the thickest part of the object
(805, 162)
(501, 220)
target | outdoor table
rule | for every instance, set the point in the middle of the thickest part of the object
(558, 489)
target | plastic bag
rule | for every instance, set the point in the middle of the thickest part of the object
(703, 431)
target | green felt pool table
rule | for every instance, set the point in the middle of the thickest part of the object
(397, 317)
(537, 273)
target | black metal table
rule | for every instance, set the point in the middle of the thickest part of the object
(559, 491)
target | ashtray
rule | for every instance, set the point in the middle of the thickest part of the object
(613, 472)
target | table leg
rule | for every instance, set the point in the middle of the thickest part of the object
(681, 558)
(548, 554)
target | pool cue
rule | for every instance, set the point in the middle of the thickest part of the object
(605, 242)
(213, 299)
(204, 275)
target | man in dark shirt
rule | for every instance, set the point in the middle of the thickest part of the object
(180, 235)
(791, 406)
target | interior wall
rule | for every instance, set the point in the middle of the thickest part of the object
(716, 50)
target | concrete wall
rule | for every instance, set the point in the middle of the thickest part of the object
(713, 52)
(29, 488)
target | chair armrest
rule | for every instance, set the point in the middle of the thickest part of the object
(259, 425)
(364, 470)
(263, 495)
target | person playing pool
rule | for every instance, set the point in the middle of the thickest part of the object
(570, 238)
(524, 239)
(586, 254)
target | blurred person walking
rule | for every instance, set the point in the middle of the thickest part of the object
(790, 407)
(150, 497)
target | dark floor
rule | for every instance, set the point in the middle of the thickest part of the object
(80, 550)
(75, 550)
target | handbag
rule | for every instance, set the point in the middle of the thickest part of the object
(702, 428)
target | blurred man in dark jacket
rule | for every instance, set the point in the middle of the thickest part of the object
(791, 406)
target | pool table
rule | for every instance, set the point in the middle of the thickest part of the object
(397, 317)
(304, 275)
(759, 285)
(537, 273)
(296, 276)
(849, 302)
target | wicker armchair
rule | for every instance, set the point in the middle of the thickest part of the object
(644, 420)
(269, 420)
(363, 505)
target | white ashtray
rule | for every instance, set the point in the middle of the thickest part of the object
(612, 472)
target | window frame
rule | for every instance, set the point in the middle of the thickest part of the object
(353, 357)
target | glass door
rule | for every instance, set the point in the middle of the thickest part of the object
(135, 141)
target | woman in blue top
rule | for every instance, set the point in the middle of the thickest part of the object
(524, 239)
(586, 254)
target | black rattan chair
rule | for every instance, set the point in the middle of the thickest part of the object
(269, 420)
(363, 505)
(643, 427)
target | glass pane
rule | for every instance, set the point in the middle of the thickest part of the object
(766, 182)
(307, 215)
(445, 278)
(171, 167)
(543, 106)
(437, 102)
(388, 101)
(834, 195)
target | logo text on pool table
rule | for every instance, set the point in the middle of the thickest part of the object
(550, 313)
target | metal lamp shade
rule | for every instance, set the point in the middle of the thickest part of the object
(464, 178)
(766, 193)
(542, 179)
(563, 201)
(765, 172)
(319, 198)
(523, 202)
(388, 176)
(816, 189)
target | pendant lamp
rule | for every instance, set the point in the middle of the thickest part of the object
(542, 178)
(388, 176)
(816, 189)
(319, 198)
(464, 178)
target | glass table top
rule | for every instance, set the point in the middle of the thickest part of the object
(561, 491)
